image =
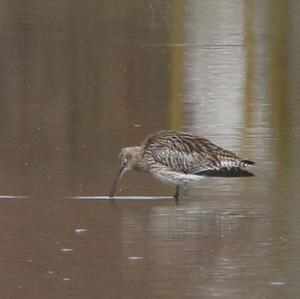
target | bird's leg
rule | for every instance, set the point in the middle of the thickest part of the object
(176, 196)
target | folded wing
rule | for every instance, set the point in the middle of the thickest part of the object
(190, 154)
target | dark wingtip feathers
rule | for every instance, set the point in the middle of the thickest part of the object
(246, 163)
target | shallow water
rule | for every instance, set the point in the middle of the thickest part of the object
(80, 80)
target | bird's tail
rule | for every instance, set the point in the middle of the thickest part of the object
(246, 163)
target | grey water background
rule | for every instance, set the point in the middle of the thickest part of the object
(79, 80)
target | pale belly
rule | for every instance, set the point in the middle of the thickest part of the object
(177, 178)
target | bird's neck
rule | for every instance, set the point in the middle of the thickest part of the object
(140, 162)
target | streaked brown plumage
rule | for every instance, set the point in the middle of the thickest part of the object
(180, 158)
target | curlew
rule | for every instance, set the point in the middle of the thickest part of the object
(180, 158)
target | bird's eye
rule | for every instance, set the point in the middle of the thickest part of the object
(125, 160)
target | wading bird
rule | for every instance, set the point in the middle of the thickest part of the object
(180, 158)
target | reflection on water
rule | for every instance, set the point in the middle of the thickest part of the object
(126, 197)
(79, 81)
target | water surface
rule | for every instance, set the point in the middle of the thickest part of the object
(80, 80)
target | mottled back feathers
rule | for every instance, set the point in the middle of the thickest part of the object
(183, 152)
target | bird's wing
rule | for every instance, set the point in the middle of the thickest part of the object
(187, 153)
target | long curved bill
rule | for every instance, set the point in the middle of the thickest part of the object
(116, 181)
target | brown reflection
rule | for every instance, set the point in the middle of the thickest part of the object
(212, 253)
(279, 15)
(75, 77)
(176, 80)
(250, 62)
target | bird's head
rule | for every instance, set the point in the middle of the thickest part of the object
(129, 157)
